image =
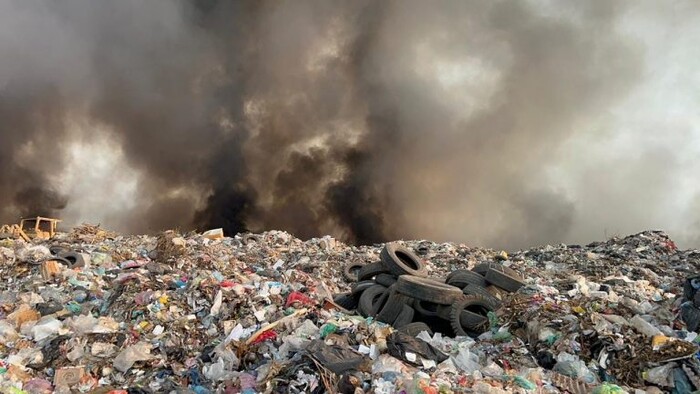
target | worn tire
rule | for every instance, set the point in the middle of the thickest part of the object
(427, 289)
(346, 300)
(57, 249)
(392, 307)
(469, 319)
(60, 260)
(468, 314)
(422, 249)
(351, 270)
(371, 270)
(250, 237)
(357, 288)
(482, 268)
(504, 280)
(405, 317)
(462, 278)
(387, 280)
(425, 308)
(402, 261)
(444, 312)
(413, 329)
(480, 291)
(372, 300)
(75, 259)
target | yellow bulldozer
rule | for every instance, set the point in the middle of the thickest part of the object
(30, 228)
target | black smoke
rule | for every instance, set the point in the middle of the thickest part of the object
(367, 120)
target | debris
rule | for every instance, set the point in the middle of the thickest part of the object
(408, 348)
(271, 313)
(214, 234)
(68, 377)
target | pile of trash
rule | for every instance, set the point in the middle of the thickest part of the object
(97, 312)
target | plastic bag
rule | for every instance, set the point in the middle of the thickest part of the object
(7, 332)
(218, 371)
(660, 376)
(386, 363)
(140, 351)
(681, 382)
(406, 347)
(571, 366)
(38, 386)
(608, 388)
(466, 361)
(46, 327)
(336, 358)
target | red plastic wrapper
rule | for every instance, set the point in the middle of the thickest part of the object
(295, 296)
(227, 283)
(268, 335)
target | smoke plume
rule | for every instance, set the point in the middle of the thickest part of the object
(495, 123)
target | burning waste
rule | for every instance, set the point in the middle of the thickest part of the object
(97, 311)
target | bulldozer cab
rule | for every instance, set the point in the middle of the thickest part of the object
(39, 227)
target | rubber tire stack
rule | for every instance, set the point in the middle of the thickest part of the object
(397, 291)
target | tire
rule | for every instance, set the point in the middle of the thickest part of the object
(480, 291)
(392, 308)
(405, 317)
(468, 315)
(504, 281)
(444, 312)
(482, 268)
(451, 274)
(60, 260)
(427, 290)
(402, 261)
(422, 249)
(469, 319)
(248, 238)
(441, 326)
(462, 278)
(425, 309)
(346, 300)
(371, 270)
(413, 329)
(372, 300)
(359, 287)
(56, 250)
(351, 270)
(387, 280)
(75, 259)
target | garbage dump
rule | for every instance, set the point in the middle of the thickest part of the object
(94, 311)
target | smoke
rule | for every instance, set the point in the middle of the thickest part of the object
(493, 123)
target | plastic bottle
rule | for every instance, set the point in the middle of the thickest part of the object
(644, 326)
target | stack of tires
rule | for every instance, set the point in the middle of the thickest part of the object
(397, 291)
